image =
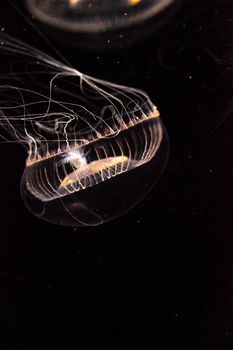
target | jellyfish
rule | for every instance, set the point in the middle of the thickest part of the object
(100, 23)
(95, 16)
(95, 149)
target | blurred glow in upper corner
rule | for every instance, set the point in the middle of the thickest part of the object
(97, 15)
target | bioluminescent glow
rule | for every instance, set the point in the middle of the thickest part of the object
(96, 15)
(94, 148)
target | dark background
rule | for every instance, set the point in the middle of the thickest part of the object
(160, 277)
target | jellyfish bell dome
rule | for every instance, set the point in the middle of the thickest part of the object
(102, 168)
(100, 179)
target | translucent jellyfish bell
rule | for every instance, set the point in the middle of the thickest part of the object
(96, 15)
(95, 148)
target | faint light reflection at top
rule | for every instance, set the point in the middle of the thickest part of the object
(95, 16)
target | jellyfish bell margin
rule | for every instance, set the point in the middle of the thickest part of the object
(95, 148)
